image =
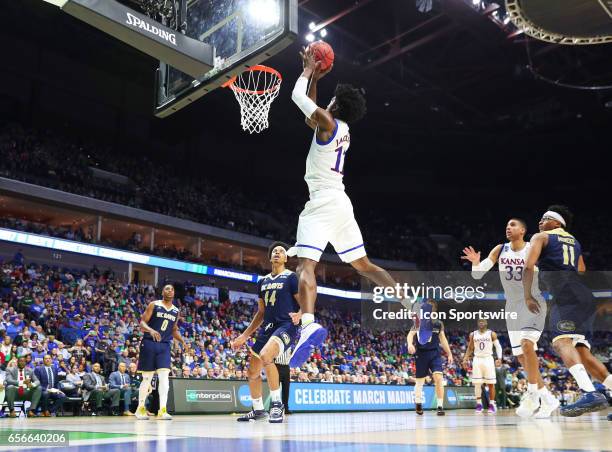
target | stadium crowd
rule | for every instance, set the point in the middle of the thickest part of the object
(47, 159)
(78, 333)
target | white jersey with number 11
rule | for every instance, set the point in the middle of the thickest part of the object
(325, 161)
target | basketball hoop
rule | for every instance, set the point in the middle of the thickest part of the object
(255, 90)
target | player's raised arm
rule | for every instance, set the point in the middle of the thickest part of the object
(317, 75)
(253, 326)
(480, 268)
(316, 117)
(538, 241)
(146, 316)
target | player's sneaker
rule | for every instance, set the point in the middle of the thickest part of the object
(587, 403)
(605, 391)
(277, 413)
(163, 414)
(548, 404)
(419, 409)
(530, 402)
(312, 335)
(440, 411)
(253, 415)
(479, 408)
(141, 413)
(492, 408)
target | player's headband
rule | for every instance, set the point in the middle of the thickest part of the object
(554, 216)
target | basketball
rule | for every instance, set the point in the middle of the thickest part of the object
(324, 53)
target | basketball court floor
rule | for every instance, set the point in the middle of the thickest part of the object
(459, 430)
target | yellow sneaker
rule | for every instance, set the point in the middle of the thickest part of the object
(163, 414)
(141, 413)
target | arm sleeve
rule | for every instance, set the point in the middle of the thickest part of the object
(478, 271)
(301, 99)
(498, 349)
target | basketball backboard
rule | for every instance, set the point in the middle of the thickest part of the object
(242, 33)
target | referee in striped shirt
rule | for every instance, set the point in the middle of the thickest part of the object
(282, 364)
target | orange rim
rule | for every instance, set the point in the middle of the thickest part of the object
(231, 83)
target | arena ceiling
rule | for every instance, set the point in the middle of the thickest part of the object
(447, 89)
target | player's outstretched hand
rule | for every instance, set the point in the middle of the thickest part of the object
(450, 359)
(318, 74)
(532, 305)
(156, 336)
(411, 349)
(308, 60)
(470, 254)
(296, 317)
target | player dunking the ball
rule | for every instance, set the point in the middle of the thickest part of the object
(328, 215)
(160, 325)
(428, 358)
(524, 331)
(483, 367)
(278, 312)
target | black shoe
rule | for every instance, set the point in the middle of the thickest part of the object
(277, 413)
(253, 415)
(440, 411)
(419, 409)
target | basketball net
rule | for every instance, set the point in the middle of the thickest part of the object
(255, 90)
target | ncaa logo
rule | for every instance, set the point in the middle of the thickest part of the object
(244, 396)
(567, 326)
(451, 396)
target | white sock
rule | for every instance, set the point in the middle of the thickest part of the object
(164, 387)
(258, 404)
(275, 395)
(608, 382)
(307, 318)
(418, 392)
(440, 403)
(532, 387)
(143, 390)
(582, 377)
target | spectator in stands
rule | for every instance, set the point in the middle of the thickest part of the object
(96, 390)
(120, 380)
(74, 377)
(22, 384)
(52, 399)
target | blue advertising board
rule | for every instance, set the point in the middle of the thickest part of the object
(355, 397)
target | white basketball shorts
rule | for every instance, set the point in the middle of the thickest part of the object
(328, 218)
(483, 370)
(527, 325)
